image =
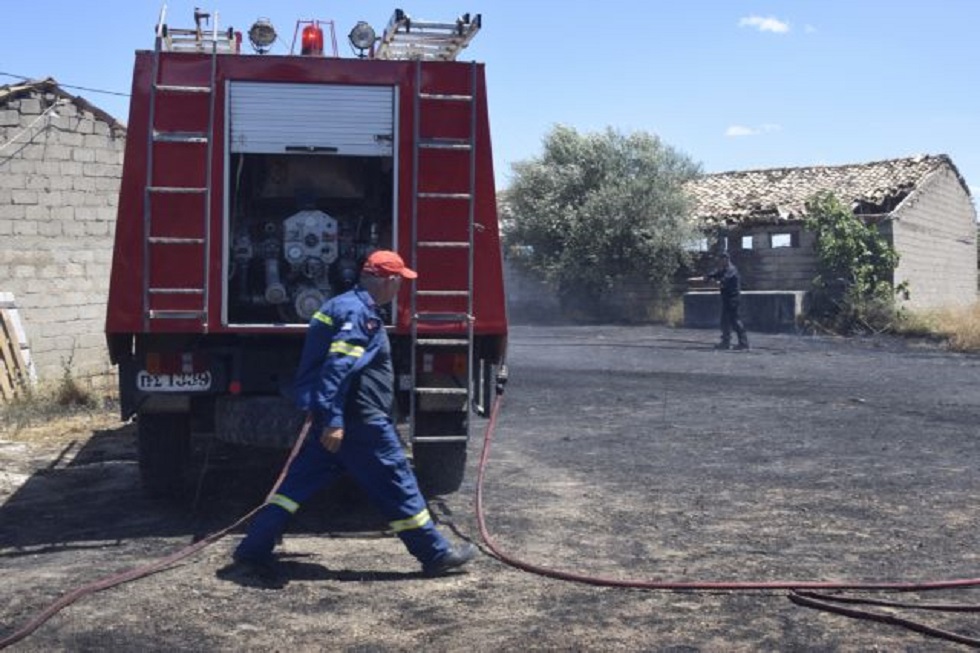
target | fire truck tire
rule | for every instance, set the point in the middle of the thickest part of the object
(440, 466)
(163, 445)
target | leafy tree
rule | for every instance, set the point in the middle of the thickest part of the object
(598, 209)
(854, 290)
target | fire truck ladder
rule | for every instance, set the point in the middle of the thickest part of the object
(405, 38)
(455, 426)
(187, 41)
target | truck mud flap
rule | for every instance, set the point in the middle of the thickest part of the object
(439, 456)
(163, 447)
(440, 466)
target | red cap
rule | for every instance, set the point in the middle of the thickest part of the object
(383, 262)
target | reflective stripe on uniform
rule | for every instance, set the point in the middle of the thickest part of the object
(346, 349)
(284, 502)
(323, 317)
(417, 521)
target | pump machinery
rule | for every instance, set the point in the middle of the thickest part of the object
(253, 188)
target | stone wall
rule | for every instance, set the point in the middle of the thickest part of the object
(59, 181)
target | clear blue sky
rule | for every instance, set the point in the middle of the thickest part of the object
(733, 84)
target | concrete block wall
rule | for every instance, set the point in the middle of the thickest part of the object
(764, 311)
(59, 183)
(782, 268)
(934, 232)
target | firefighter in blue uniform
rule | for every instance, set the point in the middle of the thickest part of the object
(346, 381)
(730, 289)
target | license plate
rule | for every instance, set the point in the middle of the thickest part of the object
(193, 382)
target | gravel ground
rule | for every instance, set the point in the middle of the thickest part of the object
(628, 453)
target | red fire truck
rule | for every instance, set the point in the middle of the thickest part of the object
(254, 186)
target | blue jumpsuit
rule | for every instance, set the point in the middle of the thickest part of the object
(731, 290)
(345, 378)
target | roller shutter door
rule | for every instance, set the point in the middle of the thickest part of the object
(273, 118)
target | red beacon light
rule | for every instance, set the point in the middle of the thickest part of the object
(312, 40)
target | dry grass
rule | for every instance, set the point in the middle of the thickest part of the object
(670, 313)
(958, 326)
(45, 405)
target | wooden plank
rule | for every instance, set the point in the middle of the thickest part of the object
(12, 337)
(8, 379)
(6, 390)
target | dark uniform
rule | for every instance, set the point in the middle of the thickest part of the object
(730, 291)
(345, 379)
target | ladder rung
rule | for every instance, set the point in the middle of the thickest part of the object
(176, 189)
(176, 315)
(180, 137)
(442, 293)
(440, 438)
(443, 243)
(442, 317)
(442, 391)
(445, 144)
(442, 342)
(168, 240)
(201, 48)
(171, 88)
(445, 97)
(434, 24)
(445, 196)
(176, 291)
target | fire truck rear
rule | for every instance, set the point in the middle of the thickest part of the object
(253, 188)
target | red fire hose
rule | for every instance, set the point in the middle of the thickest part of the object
(152, 568)
(808, 599)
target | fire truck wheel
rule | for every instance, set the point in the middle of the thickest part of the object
(440, 466)
(163, 444)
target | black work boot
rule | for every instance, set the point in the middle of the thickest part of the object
(723, 345)
(454, 558)
(743, 346)
(252, 572)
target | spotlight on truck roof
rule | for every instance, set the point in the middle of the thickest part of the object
(362, 37)
(262, 35)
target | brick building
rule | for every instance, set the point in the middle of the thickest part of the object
(60, 165)
(921, 204)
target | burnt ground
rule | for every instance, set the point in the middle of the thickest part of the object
(623, 452)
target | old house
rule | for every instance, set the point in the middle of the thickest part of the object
(921, 204)
(60, 165)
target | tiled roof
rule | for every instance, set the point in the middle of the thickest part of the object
(780, 194)
(49, 85)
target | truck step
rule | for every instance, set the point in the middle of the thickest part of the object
(440, 438)
(442, 391)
